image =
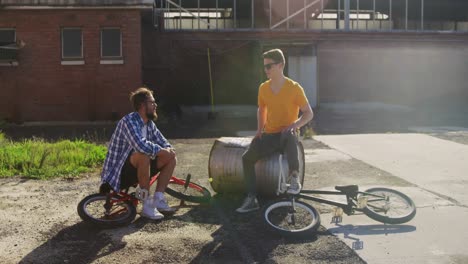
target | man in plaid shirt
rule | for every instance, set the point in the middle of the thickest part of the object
(137, 150)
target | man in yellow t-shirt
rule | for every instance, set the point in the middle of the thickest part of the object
(279, 102)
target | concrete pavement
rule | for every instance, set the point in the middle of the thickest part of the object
(434, 164)
(438, 169)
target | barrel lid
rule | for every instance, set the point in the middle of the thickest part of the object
(235, 142)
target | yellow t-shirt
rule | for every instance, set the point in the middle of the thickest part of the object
(283, 107)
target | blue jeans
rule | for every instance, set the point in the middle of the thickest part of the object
(265, 146)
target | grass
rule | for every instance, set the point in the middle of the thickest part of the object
(36, 158)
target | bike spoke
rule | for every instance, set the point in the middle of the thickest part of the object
(97, 210)
(391, 205)
(292, 220)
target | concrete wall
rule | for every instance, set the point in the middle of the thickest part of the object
(41, 89)
(401, 72)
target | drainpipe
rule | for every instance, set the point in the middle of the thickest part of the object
(346, 6)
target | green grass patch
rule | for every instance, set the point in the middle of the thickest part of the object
(36, 158)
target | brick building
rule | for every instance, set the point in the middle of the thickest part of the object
(69, 60)
(81, 58)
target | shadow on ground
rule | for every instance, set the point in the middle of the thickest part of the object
(241, 238)
(79, 243)
(238, 238)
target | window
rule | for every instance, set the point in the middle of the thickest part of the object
(111, 43)
(72, 44)
(7, 36)
(8, 47)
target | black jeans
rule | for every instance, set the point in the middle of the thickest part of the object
(265, 146)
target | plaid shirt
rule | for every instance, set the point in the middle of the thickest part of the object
(126, 138)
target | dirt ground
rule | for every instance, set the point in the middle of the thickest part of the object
(39, 222)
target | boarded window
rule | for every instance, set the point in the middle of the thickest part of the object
(72, 43)
(7, 36)
(111, 43)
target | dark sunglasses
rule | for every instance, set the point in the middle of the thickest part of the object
(151, 102)
(269, 65)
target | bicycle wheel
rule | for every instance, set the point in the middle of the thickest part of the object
(194, 193)
(388, 206)
(91, 209)
(299, 221)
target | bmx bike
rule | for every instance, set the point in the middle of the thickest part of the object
(112, 209)
(291, 216)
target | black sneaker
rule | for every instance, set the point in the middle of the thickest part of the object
(250, 204)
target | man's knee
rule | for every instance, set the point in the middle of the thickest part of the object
(173, 161)
(168, 163)
(252, 152)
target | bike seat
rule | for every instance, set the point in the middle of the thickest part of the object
(347, 188)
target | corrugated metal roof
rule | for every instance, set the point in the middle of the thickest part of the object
(79, 3)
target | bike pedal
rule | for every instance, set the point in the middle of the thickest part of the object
(141, 194)
(337, 219)
(358, 245)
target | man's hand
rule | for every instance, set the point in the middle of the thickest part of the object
(167, 153)
(258, 134)
(290, 128)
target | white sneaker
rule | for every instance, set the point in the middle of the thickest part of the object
(294, 184)
(150, 211)
(161, 205)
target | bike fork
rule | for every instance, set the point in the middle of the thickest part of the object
(291, 213)
(108, 204)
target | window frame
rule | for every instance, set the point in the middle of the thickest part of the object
(111, 59)
(8, 62)
(68, 59)
(10, 29)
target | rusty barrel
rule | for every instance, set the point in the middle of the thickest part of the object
(226, 171)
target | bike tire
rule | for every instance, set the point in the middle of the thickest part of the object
(194, 193)
(306, 218)
(399, 207)
(91, 210)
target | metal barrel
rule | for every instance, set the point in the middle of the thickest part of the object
(226, 171)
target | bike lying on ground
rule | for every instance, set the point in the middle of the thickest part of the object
(292, 217)
(112, 209)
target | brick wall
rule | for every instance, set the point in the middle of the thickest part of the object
(41, 89)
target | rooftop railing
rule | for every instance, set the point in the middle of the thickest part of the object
(309, 15)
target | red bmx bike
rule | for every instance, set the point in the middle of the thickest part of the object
(112, 209)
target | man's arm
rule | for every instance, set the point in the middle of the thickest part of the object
(161, 140)
(261, 120)
(167, 151)
(307, 115)
(133, 134)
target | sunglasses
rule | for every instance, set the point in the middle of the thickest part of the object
(269, 65)
(151, 102)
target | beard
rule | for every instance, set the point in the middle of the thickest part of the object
(152, 116)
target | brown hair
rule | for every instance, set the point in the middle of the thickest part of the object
(139, 96)
(275, 54)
